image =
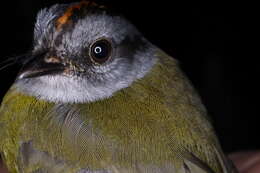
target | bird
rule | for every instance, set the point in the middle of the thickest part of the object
(95, 96)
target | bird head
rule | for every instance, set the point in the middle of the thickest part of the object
(83, 52)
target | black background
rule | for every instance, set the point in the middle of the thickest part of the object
(213, 42)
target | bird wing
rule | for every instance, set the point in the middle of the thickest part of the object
(193, 164)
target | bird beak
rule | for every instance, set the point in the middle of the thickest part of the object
(41, 65)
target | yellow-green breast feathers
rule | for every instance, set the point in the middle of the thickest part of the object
(157, 122)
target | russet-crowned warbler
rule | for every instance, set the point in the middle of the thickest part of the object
(95, 96)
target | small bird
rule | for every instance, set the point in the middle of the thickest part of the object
(95, 96)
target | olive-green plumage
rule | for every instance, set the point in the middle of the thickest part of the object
(157, 124)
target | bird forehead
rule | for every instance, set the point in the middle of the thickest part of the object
(75, 10)
(76, 26)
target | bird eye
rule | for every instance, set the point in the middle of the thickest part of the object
(100, 51)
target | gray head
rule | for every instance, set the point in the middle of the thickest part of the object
(82, 53)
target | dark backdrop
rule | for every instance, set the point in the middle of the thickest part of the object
(213, 43)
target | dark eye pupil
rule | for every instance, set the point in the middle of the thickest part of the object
(100, 50)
